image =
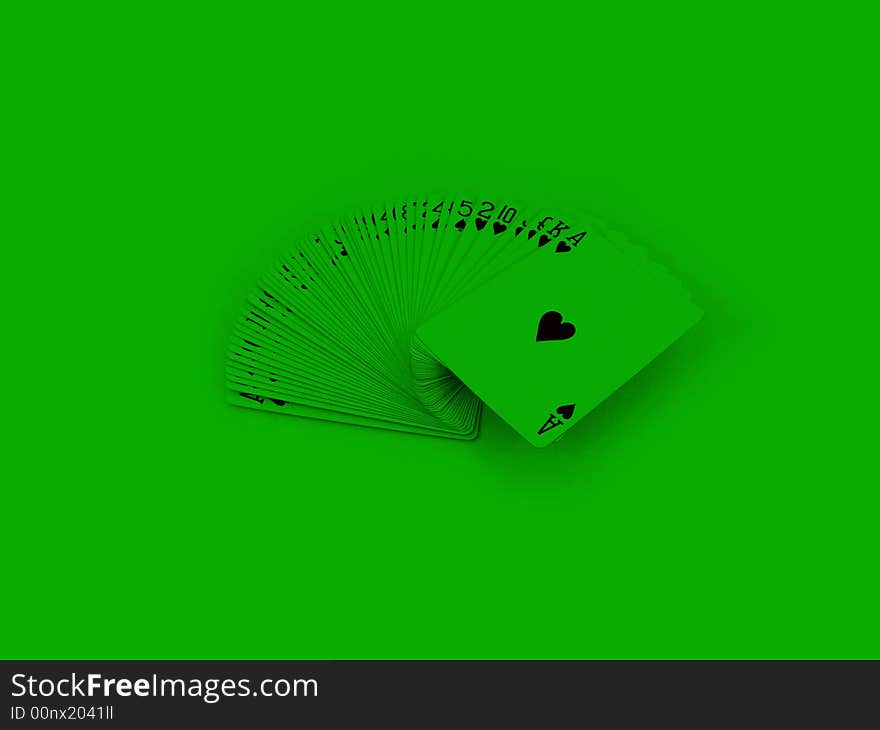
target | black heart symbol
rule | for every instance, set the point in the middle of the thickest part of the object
(551, 327)
(543, 240)
(562, 247)
(531, 234)
(480, 223)
(566, 411)
(498, 227)
(461, 224)
(435, 224)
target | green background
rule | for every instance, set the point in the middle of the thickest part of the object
(722, 504)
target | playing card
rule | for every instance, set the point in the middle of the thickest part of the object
(547, 340)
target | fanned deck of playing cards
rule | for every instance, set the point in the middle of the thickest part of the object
(409, 316)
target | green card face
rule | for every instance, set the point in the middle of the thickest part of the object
(551, 337)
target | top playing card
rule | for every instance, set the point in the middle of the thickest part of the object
(551, 337)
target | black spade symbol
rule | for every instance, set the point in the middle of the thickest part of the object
(480, 223)
(498, 227)
(566, 411)
(562, 247)
(551, 327)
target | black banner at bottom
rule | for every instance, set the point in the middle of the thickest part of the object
(415, 693)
